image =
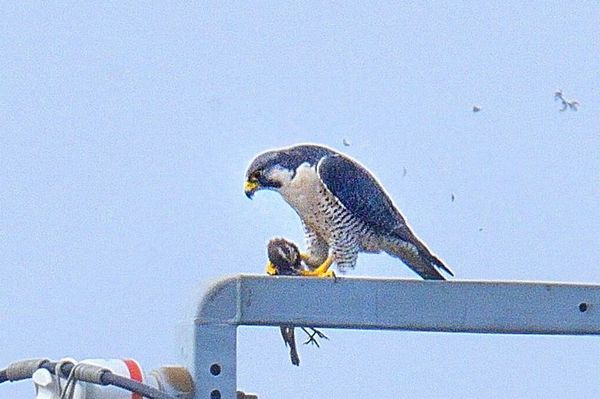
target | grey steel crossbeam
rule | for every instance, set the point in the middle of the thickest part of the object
(369, 303)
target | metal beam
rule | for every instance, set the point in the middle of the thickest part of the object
(369, 303)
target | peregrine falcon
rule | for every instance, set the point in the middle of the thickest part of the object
(343, 208)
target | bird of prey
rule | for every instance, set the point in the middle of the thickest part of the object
(343, 208)
(285, 260)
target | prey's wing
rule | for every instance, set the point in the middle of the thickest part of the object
(287, 333)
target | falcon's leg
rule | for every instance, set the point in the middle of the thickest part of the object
(317, 249)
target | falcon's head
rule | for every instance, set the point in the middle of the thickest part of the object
(276, 168)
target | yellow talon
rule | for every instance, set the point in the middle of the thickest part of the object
(270, 269)
(321, 271)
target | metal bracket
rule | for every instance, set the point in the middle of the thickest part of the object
(369, 303)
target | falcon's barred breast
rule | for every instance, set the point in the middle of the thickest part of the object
(343, 207)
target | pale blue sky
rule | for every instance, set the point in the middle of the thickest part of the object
(126, 129)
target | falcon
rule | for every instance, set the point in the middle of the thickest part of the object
(343, 208)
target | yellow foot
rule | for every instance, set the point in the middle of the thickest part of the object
(321, 271)
(270, 269)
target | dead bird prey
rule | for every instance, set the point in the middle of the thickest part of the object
(285, 259)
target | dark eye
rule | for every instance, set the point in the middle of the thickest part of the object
(256, 175)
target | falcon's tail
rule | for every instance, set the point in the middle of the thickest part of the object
(418, 257)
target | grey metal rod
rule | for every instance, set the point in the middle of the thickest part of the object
(368, 303)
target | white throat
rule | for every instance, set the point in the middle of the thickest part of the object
(302, 191)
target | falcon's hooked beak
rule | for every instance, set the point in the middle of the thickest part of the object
(250, 187)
